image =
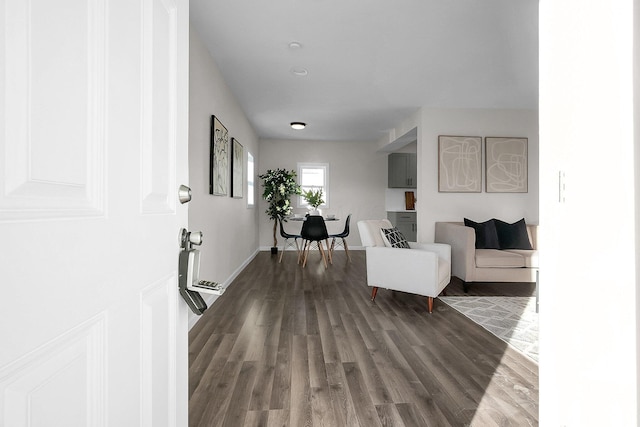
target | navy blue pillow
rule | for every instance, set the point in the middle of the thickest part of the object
(486, 234)
(513, 236)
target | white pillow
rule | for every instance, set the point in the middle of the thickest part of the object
(373, 227)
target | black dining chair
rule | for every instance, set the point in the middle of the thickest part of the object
(341, 236)
(314, 230)
(287, 237)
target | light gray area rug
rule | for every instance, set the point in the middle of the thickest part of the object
(512, 319)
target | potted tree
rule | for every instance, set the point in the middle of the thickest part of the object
(314, 198)
(279, 185)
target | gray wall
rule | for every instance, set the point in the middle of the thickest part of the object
(359, 171)
(230, 228)
(510, 207)
(357, 181)
(433, 206)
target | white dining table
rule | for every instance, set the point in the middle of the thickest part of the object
(302, 218)
(332, 226)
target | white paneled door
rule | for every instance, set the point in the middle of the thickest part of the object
(93, 148)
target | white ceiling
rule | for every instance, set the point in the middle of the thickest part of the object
(371, 63)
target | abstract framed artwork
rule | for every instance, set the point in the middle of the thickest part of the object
(237, 169)
(218, 159)
(459, 164)
(506, 165)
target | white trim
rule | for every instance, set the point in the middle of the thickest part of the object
(210, 299)
(326, 188)
(351, 248)
(251, 191)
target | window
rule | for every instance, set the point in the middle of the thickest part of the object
(251, 193)
(314, 176)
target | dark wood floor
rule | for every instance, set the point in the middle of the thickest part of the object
(286, 346)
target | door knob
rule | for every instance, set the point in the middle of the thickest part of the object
(184, 194)
(188, 238)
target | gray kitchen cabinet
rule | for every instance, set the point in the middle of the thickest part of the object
(406, 223)
(403, 170)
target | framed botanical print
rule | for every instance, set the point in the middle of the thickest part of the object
(237, 169)
(219, 159)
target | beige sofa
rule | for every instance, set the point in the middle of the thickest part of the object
(487, 265)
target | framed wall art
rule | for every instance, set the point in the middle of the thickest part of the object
(237, 169)
(459, 164)
(507, 165)
(219, 159)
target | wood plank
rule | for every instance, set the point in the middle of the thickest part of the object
(287, 346)
(390, 417)
(201, 359)
(502, 407)
(216, 403)
(396, 377)
(281, 389)
(256, 419)
(278, 418)
(261, 394)
(300, 411)
(329, 346)
(341, 402)
(272, 338)
(340, 335)
(311, 316)
(411, 416)
(358, 390)
(239, 402)
(317, 368)
(444, 407)
(321, 409)
(300, 314)
(246, 332)
(360, 299)
(375, 385)
(206, 385)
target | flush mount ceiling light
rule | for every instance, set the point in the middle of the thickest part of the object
(298, 125)
(295, 45)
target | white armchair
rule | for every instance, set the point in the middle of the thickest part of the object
(425, 269)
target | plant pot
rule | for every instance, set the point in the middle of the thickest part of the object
(274, 250)
(315, 212)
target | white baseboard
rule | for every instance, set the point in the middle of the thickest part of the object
(210, 299)
(340, 248)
